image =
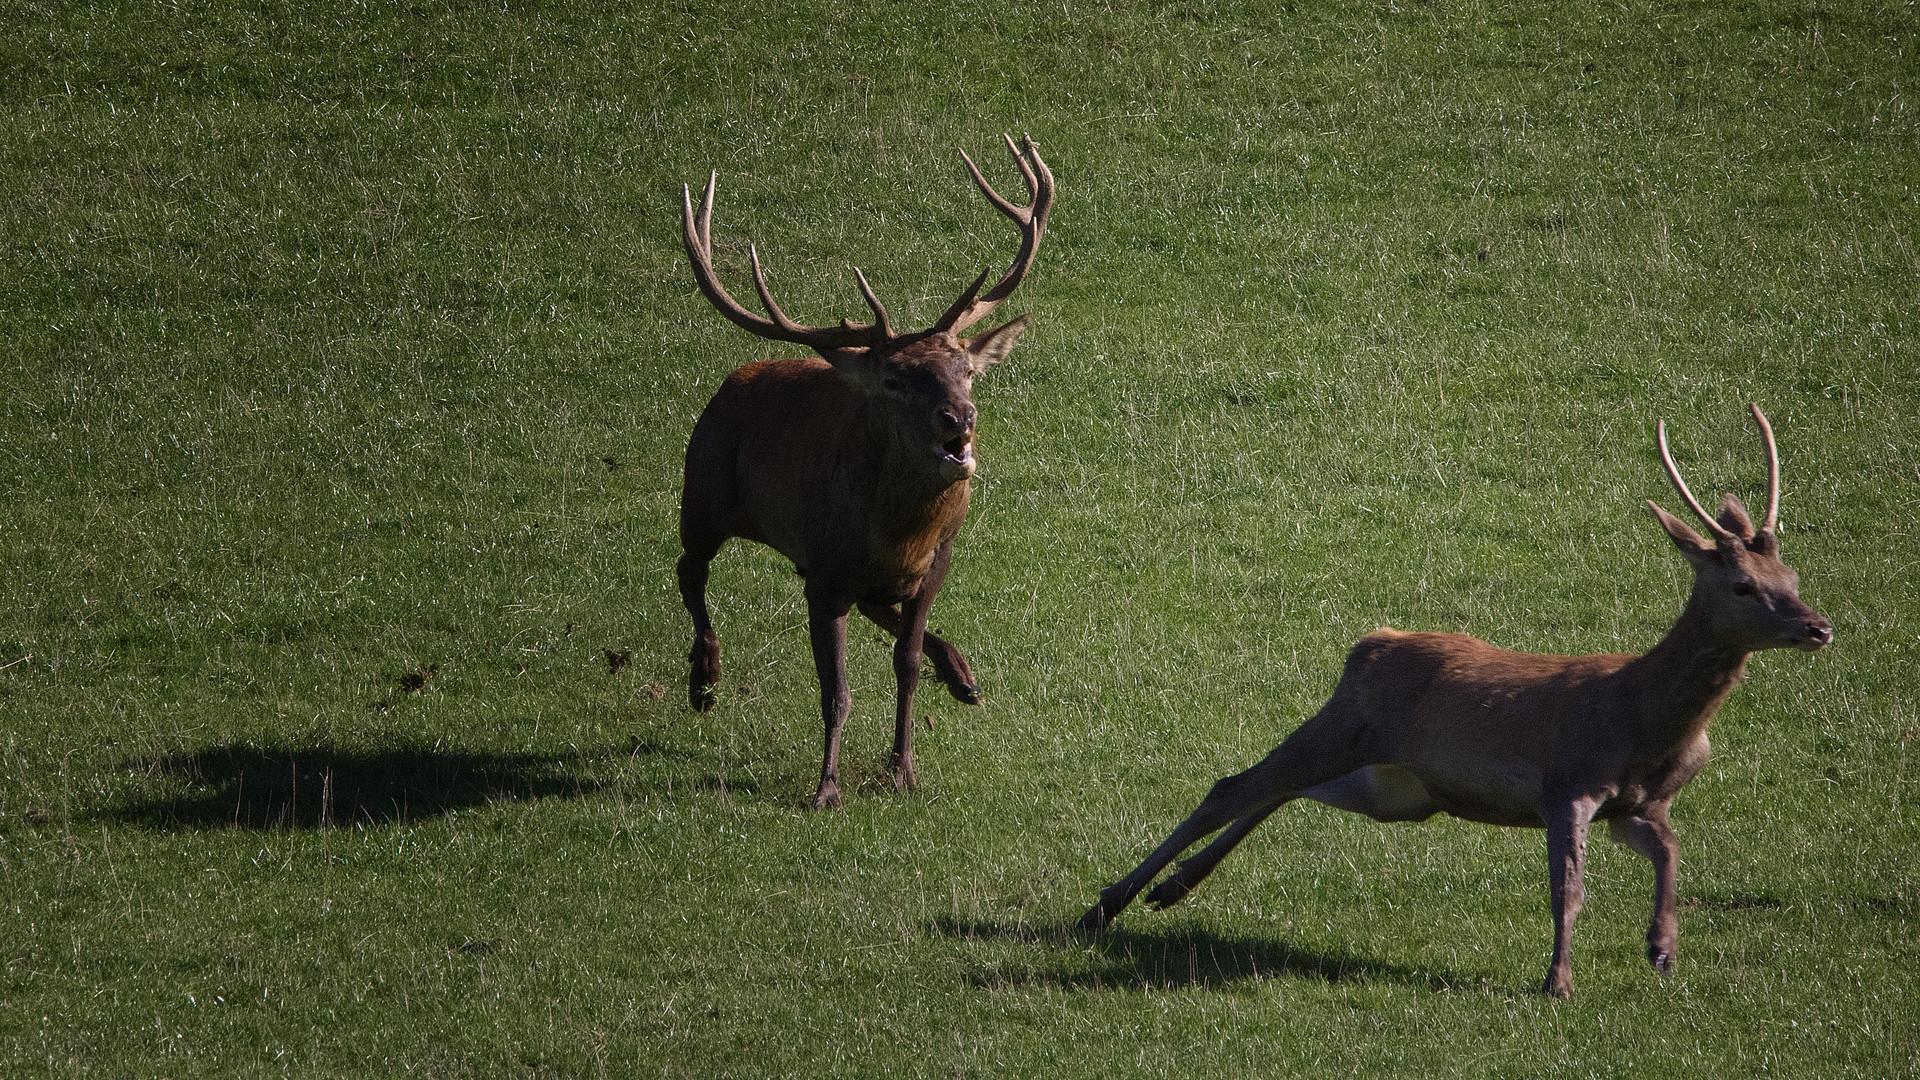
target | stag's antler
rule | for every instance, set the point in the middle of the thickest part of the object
(1773, 469)
(1032, 220)
(1720, 533)
(697, 231)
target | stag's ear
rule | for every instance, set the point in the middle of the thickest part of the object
(1733, 517)
(1697, 550)
(993, 346)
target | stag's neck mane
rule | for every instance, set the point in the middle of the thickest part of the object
(908, 506)
(1683, 680)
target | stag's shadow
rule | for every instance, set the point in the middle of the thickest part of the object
(1124, 959)
(238, 786)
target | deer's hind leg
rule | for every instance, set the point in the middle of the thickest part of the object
(1318, 751)
(1191, 872)
(703, 660)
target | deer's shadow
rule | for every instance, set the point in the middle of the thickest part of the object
(244, 786)
(1123, 959)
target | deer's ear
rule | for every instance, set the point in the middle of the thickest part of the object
(1690, 543)
(993, 346)
(1733, 517)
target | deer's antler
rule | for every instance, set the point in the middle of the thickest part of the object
(697, 231)
(1721, 536)
(1773, 469)
(1032, 219)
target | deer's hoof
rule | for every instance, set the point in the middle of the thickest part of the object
(1661, 960)
(1166, 894)
(1559, 988)
(904, 778)
(964, 692)
(1095, 920)
(828, 797)
(701, 696)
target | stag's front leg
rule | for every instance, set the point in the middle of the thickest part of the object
(1566, 869)
(1649, 834)
(907, 650)
(827, 626)
(949, 666)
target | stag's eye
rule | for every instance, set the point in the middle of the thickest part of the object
(893, 385)
(1743, 588)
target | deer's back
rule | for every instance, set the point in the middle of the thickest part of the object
(1483, 728)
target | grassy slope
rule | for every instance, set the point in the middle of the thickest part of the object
(321, 329)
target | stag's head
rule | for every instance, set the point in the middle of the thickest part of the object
(918, 386)
(1750, 598)
(921, 393)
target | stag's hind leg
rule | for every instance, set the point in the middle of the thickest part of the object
(703, 659)
(1320, 750)
(1191, 872)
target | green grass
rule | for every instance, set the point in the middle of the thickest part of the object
(349, 352)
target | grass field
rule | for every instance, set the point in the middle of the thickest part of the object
(350, 351)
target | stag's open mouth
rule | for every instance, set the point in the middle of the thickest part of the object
(959, 448)
(956, 457)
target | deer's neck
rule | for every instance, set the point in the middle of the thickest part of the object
(1684, 679)
(912, 508)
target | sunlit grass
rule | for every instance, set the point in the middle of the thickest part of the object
(349, 357)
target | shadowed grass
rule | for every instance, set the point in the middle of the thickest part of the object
(272, 787)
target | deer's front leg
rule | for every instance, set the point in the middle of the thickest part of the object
(1649, 834)
(1566, 868)
(949, 666)
(907, 649)
(827, 626)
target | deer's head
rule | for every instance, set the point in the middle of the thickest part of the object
(920, 393)
(918, 386)
(1750, 598)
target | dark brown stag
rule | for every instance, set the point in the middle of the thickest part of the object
(854, 465)
(1444, 723)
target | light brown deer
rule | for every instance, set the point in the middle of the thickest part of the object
(1445, 723)
(855, 466)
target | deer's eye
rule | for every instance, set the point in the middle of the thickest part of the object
(1743, 588)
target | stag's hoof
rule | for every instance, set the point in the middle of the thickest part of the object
(703, 671)
(1661, 960)
(1167, 893)
(1560, 988)
(828, 797)
(904, 778)
(965, 693)
(1095, 920)
(701, 695)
